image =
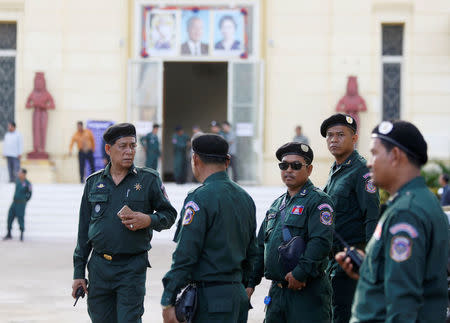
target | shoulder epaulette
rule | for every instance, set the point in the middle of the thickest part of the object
(148, 170)
(95, 173)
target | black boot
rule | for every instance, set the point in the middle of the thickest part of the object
(8, 236)
(21, 235)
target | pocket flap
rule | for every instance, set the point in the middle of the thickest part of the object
(297, 221)
(98, 197)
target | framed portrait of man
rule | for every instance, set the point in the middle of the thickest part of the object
(195, 33)
(161, 32)
(228, 33)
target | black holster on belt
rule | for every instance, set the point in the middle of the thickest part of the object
(186, 304)
(290, 252)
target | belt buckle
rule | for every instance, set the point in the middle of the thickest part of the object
(107, 257)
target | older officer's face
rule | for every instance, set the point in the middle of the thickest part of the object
(379, 164)
(122, 152)
(295, 178)
(340, 140)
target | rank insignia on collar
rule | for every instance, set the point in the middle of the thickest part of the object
(137, 187)
(303, 192)
(135, 171)
(101, 185)
(348, 163)
(298, 210)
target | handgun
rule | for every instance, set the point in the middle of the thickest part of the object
(80, 292)
(355, 257)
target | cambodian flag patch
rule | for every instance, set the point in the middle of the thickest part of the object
(298, 209)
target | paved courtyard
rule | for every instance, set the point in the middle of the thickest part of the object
(36, 275)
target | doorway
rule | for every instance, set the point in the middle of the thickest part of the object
(195, 93)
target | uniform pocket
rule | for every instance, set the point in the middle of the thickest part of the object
(98, 203)
(296, 224)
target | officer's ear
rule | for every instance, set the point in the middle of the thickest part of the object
(309, 169)
(108, 149)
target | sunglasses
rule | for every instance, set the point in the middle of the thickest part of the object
(294, 166)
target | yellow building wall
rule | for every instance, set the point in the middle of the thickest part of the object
(311, 47)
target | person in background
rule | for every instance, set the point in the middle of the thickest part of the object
(86, 146)
(22, 195)
(230, 137)
(215, 128)
(299, 137)
(12, 150)
(445, 196)
(180, 142)
(151, 147)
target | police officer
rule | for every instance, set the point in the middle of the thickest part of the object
(121, 206)
(180, 143)
(356, 200)
(151, 146)
(304, 294)
(404, 276)
(22, 195)
(216, 235)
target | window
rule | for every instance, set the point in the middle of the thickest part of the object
(8, 36)
(392, 51)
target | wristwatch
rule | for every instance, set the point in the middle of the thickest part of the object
(165, 307)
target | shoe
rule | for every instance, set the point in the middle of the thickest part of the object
(7, 237)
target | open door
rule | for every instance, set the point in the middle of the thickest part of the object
(245, 82)
(144, 99)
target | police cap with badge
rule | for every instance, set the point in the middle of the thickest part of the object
(338, 119)
(295, 148)
(117, 131)
(405, 136)
(211, 145)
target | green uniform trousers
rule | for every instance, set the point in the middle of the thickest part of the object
(180, 167)
(342, 303)
(152, 161)
(311, 304)
(116, 289)
(17, 209)
(223, 303)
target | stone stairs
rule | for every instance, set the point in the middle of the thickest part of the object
(52, 213)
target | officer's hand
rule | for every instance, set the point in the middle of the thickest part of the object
(346, 264)
(294, 283)
(136, 220)
(249, 291)
(77, 283)
(169, 315)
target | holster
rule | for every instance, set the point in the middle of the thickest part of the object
(290, 252)
(186, 304)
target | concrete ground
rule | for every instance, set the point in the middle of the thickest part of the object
(36, 275)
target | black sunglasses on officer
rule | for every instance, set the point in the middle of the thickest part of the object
(294, 165)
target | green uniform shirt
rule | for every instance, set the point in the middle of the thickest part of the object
(151, 144)
(99, 226)
(356, 200)
(23, 191)
(216, 236)
(309, 214)
(180, 143)
(404, 275)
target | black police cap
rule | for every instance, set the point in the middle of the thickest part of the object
(118, 131)
(338, 119)
(405, 136)
(295, 148)
(210, 145)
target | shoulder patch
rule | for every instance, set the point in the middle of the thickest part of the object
(404, 227)
(163, 189)
(188, 215)
(326, 217)
(325, 206)
(378, 230)
(192, 205)
(370, 187)
(401, 248)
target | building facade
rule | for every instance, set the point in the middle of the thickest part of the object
(266, 66)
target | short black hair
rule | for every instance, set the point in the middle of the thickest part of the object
(80, 123)
(23, 170)
(445, 177)
(212, 160)
(12, 123)
(155, 126)
(226, 123)
(227, 17)
(389, 146)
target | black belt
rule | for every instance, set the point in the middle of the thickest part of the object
(280, 284)
(214, 283)
(118, 256)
